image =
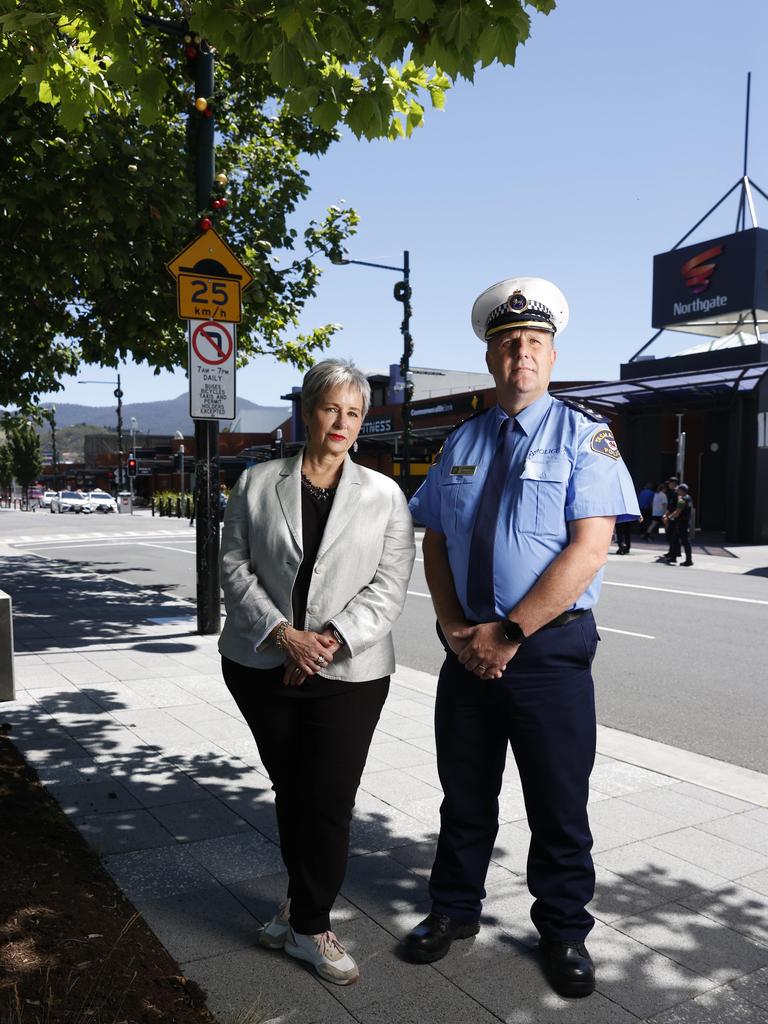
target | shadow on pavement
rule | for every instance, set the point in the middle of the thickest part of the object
(78, 602)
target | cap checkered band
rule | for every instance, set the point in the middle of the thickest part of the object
(530, 313)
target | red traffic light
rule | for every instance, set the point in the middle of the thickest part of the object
(132, 466)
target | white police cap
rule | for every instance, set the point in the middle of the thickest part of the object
(519, 302)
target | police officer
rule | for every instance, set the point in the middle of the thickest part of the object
(519, 513)
(680, 517)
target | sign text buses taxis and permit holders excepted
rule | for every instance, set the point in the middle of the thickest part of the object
(212, 357)
(209, 280)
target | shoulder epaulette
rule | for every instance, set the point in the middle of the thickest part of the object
(474, 416)
(591, 414)
(480, 412)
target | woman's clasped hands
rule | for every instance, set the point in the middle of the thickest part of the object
(307, 653)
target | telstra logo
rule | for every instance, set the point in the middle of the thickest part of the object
(697, 271)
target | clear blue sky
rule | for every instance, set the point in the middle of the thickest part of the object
(617, 130)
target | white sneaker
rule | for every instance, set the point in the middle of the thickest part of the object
(326, 954)
(275, 932)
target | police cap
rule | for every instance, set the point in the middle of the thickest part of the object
(519, 302)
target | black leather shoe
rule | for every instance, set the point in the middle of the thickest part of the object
(568, 967)
(431, 939)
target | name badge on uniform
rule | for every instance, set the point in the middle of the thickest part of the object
(463, 470)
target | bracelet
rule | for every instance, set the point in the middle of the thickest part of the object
(279, 636)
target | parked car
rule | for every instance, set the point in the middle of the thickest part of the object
(100, 501)
(48, 496)
(70, 501)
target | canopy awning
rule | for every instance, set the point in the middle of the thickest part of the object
(690, 386)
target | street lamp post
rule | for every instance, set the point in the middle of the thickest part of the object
(402, 293)
(178, 436)
(51, 417)
(118, 393)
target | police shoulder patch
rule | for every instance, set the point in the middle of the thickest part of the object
(591, 414)
(604, 443)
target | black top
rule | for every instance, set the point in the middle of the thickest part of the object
(316, 506)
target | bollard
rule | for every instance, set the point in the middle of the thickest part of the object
(7, 685)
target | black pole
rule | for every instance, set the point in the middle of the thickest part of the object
(746, 124)
(206, 431)
(53, 443)
(406, 367)
(119, 397)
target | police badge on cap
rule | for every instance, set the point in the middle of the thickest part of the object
(519, 302)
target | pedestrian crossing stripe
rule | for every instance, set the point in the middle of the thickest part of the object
(47, 538)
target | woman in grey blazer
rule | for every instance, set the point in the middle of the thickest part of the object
(316, 555)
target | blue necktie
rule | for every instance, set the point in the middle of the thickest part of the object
(480, 591)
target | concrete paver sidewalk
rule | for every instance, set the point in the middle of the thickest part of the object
(122, 711)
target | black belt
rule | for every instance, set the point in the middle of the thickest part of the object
(565, 617)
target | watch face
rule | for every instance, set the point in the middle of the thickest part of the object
(513, 632)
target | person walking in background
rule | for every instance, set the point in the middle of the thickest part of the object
(658, 511)
(681, 516)
(316, 555)
(623, 538)
(519, 512)
(669, 524)
(645, 501)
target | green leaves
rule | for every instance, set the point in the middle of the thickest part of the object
(85, 57)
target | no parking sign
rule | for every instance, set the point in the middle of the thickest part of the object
(212, 355)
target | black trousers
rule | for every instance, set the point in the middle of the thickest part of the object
(624, 536)
(314, 748)
(680, 538)
(544, 707)
(671, 528)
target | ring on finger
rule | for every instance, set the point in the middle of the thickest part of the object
(319, 660)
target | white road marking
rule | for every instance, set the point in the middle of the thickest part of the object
(80, 541)
(688, 593)
(415, 593)
(165, 547)
(626, 632)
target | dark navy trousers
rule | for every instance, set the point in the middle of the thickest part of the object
(544, 707)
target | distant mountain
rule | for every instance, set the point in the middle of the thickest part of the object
(152, 417)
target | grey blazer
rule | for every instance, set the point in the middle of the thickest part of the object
(361, 571)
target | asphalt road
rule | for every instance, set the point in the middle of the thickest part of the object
(684, 652)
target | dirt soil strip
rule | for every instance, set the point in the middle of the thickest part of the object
(73, 950)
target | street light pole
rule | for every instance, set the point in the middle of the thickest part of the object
(402, 293)
(52, 421)
(118, 393)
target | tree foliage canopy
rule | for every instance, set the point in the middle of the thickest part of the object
(365, 64)
(96, 190)
(89, 220)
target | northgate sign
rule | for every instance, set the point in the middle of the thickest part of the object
(714, 287)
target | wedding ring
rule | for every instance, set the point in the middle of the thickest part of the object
(319, 660)
(482, 668)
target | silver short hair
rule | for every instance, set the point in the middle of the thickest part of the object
(333, 373)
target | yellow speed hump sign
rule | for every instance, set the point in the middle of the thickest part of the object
(210, 280)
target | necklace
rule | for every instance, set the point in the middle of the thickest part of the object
(321, 493)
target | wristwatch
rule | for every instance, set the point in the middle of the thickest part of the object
(513, 631)
(337, 635)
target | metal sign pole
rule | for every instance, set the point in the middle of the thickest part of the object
(206, 431)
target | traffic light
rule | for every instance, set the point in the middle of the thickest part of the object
(132, 466)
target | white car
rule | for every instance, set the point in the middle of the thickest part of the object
(100, 501)
(70, 501)
(47, 497)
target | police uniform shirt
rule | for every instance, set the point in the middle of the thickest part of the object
(564, 466)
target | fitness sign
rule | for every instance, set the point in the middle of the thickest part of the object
(212, 355)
